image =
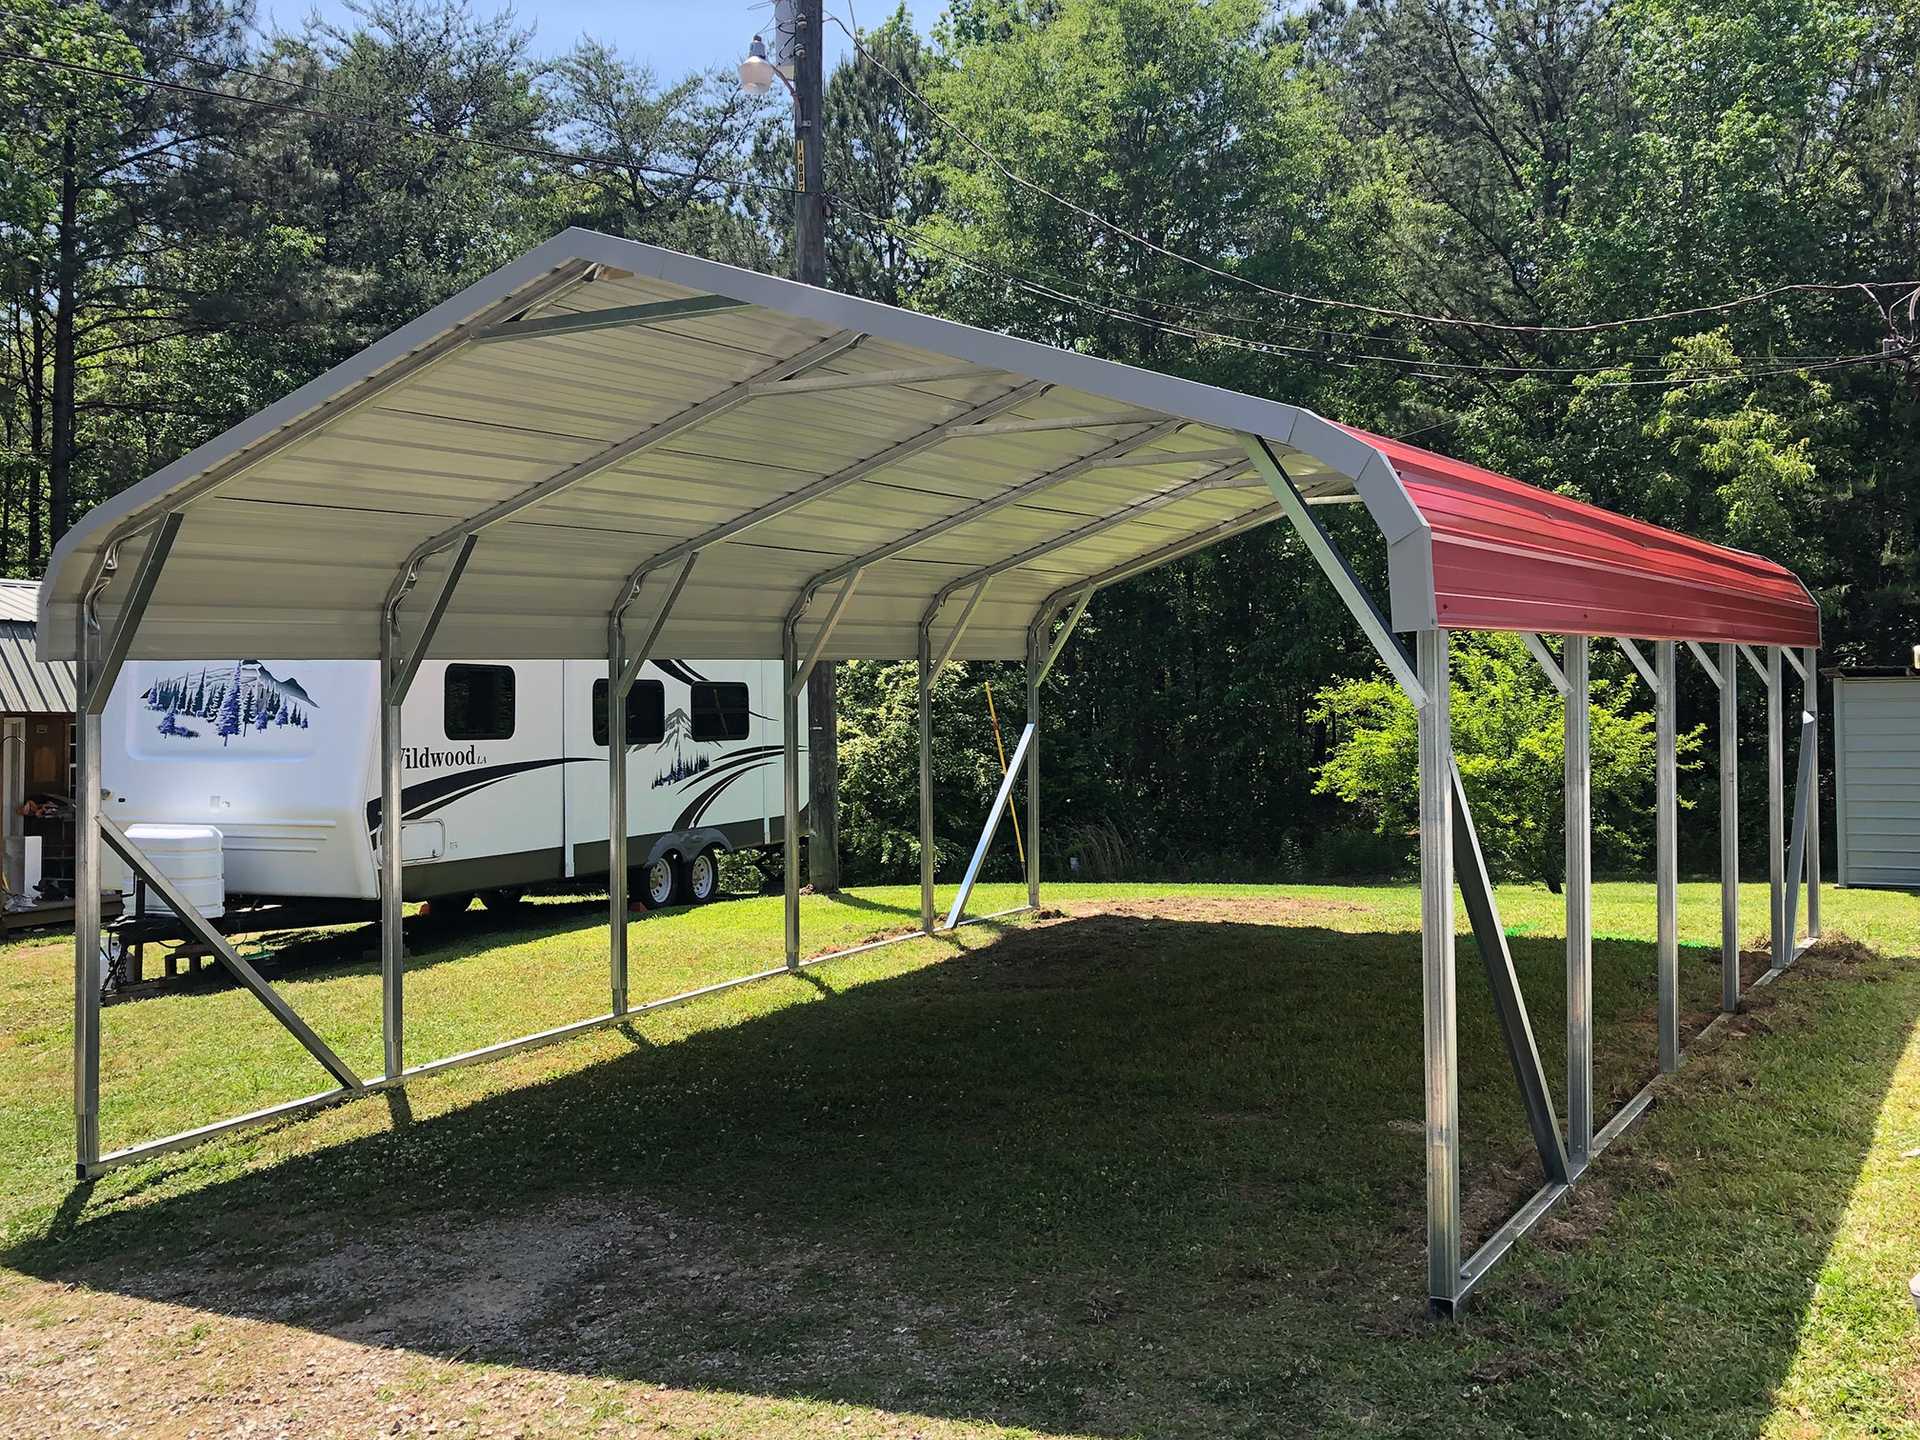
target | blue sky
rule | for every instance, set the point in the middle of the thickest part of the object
(673, 36)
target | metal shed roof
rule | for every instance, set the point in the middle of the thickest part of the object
(28, 684)
(602, 408)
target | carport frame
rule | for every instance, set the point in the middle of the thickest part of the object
(1449, 845)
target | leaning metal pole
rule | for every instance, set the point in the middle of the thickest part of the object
(1729, 830)
(1776, 818)
(1579, 824)
(1666, 868)
(926, 778)
(790, 778)
(1437, 976)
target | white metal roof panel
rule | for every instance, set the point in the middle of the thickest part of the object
(586, 452)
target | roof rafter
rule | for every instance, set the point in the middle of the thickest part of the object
(1220, 479)
(827, 484)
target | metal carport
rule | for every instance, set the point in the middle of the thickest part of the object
(609, 450)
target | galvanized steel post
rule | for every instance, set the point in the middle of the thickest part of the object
(790, 777)
(1776, 819)
(1729, 830)
(1437, 975)
(1666, 869)
(1579, 827)
(1035, 641)
(393, 955)
(86, 900)
(1813, 796)
(926, 778)
(617, 811)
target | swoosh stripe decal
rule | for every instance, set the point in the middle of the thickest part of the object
(680, 670)
(714, 794)
(444, 789)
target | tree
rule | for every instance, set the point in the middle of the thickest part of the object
(880, 743)
(120, 191)
(670, 160)
(228, 723)
(1508, 740)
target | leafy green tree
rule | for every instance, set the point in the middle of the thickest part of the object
(1510, 746)
(669, 160)
(880, 765)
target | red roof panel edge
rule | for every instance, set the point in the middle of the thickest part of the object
(1511, 556)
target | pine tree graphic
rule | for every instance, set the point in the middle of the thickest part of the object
(229, 722)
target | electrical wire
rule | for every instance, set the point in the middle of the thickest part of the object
(1298, 297)
(1416, 369)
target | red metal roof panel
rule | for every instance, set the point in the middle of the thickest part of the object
(1511, 556)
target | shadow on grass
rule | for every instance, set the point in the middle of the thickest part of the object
(1115, 1175)
(354, 948)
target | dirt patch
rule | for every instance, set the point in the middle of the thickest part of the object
(1229, 909)
(1838, 956)
(546, 1321)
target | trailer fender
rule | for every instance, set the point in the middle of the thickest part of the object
(687, 843)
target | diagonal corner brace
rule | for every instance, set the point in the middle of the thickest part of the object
(1320, 545)
(1544, 658)
(1639, 659)
(1706, 662)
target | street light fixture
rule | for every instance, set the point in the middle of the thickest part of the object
(757, 72)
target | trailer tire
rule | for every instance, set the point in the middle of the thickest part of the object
(703, 876)
(662, 883)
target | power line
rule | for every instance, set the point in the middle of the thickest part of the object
(1416, 369)
(1386, 312)
(375, 125)
(1419, 369)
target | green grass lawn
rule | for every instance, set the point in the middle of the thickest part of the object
(1151, 1169)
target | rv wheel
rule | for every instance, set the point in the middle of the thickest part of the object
(660, 882)
(703, 876)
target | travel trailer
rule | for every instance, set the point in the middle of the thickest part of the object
(505, 767)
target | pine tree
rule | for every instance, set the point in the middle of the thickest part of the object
(229, 722)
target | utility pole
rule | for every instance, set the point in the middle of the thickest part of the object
(810, 268)
(809, 149)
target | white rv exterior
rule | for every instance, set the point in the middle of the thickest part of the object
(504, 763)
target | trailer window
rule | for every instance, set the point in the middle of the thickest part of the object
(720, 712)
(479, 702)
(646, 713)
